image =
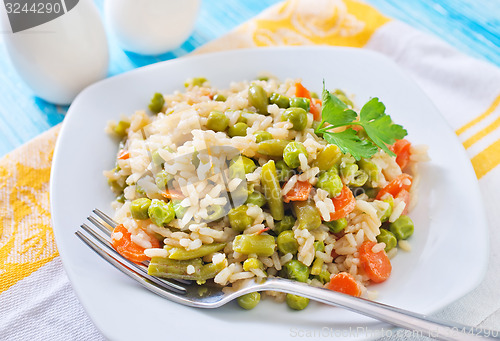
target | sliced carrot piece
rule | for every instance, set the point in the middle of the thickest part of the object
(345, 283)
(172, 194)
(376, 265)
(301, 91)
(344, 203)
(299, 192)
(402, 150)
(405, 196)
(123, 244)
(401, 182)
(123, 154)
(316, 108)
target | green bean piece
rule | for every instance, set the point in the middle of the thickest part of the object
(242, 163)
(336, 226)
(177, 269)
(157, 103)
(239, 219)
(388, 238)
(196, 81)
(180, 253)
(179, 210)
(219, 98)
(370, 168)
(359, 179)
(249, 301)
(272, 147)
(156, 158)
(160, 212)
(319, 246)
(314, 94)
(140, 190)
(287, 243)
(259, 244)
(215, 212)
(307, 214)
(139, 208)
(239, 129)
(296, 116)
(291, 154)
(115, 186)
(297, 270)
(272, 190)
(385, 214)
(328, 157)
(284, 172)
(317, 266)
(343, 97)
(371, 192)
(324, 276)
(262, 136)
(285, 224)
(162, 178)
(297, 302)
(257, 97)
(256, 198)
(262, 78)
(121, 128)
(252, 263)
(330, 182)
(280, 100)
(402, 228)
(300, 102)
(217, 121)
(195, 159)
(120, 198)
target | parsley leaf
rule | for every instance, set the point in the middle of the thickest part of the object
(349, 142)
(379, 126)
(376, 123)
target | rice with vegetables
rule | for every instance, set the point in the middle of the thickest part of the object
(264, 179)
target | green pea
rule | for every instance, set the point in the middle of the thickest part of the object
(256, 198)
(291, 154)
(287, 243)
(284, 172)
(388, 238)
(157, 103)
(297, 270)
(115, 186)
(280, 100)
(296, 116)
(385, 214)
(239, 129)
(249, 301)
(371, 192)
(317, 266)
(336, 226)
(121, 128)
(272, 147)
(319, 246)
(160, 212)
(179, 210)
(343, 97)
(219, 98)
(196, 81)
(120, 198)
(162, 178)
(330, 182)
(328, 157)
(262, 136)
(402, 228)
(239, 219)
(242, 163)
(257, 97)
(359, 179)
(252, 263)
(348, 170)
(243, 119)
(307, 214)
(370, 168)
(284, 224)
(324, 276)
(300, 102)
(262, 78)
(217, 121)
(297, 302)
(139, 208)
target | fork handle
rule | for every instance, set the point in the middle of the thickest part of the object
(428, 326)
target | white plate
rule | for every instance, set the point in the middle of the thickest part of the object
(450, 238)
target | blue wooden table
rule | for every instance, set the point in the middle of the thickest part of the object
(472, 26)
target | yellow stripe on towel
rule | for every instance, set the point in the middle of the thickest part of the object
(478, 119)
(487, 159)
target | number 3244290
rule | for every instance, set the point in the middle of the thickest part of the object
(39, 7)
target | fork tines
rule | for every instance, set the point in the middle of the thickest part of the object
(98, 238)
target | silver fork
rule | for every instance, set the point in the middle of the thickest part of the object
(187, 293)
